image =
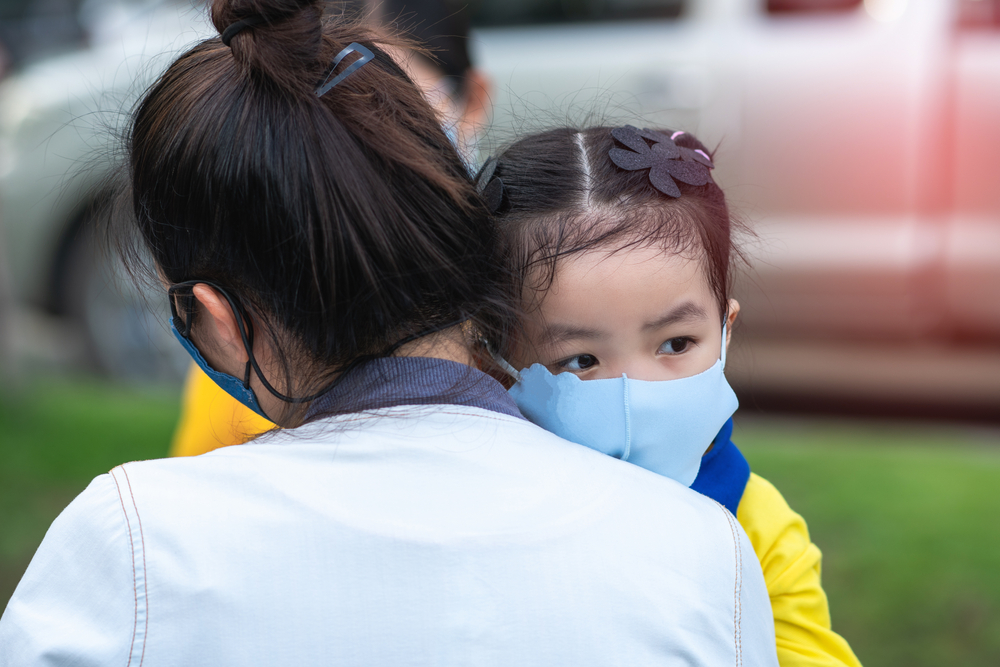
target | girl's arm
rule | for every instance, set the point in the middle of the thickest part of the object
(791, 565)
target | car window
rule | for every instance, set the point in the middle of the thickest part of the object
(489, 13)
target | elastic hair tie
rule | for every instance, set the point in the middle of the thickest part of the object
(328, 84)
(235, 28)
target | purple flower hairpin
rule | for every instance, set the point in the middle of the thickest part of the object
(667, 162)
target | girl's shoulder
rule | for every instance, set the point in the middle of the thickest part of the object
(770, 523)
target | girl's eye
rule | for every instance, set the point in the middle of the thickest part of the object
(581, 362)
(675, 346)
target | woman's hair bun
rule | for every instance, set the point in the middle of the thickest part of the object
(284, 47)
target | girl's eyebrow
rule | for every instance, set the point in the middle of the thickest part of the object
(558, 333)
(685, 312)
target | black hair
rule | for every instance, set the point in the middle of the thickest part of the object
(563, 195)
(342, 224)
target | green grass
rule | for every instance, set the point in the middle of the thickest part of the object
(906, 516)
(55, 437)
(907, 519)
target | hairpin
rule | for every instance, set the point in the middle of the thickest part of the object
(490, 187)
(667, 162)
(366, 55)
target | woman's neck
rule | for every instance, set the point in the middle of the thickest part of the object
(451, 344)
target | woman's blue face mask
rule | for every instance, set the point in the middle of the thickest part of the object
(182, 309)
(181, 322)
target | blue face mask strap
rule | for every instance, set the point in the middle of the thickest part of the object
(328, 84)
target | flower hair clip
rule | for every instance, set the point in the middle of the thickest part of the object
(667, 162)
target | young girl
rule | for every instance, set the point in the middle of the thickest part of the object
(619, 246)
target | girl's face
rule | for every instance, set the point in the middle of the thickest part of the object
(643, 312)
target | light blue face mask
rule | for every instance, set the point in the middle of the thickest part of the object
(664, 426)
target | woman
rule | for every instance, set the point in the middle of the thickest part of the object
(326, 259)
(458, 92)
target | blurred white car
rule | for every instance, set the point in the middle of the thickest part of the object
(58, 121)
(859, 137)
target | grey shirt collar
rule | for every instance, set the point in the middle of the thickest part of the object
(392, 381)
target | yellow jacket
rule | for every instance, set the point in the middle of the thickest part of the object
(210, 419)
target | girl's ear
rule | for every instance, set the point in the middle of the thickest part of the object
(219, 330)
(733, 313)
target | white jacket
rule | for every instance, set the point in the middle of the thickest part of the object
(434, 535)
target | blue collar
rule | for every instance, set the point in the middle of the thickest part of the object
(392, 381)
(724, 471)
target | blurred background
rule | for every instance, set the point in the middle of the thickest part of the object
(860, 140)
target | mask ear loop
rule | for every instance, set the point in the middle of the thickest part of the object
(246, 334)
(500, 361)
(183, 326)
(724, 346)
(245, 327)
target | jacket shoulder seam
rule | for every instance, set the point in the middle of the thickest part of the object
(737, 586)
(134, 528)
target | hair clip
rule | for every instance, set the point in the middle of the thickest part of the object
(490, 187)
(667, 162)
(328, 84)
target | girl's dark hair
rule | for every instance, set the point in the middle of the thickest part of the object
(563, 195)
(342, 223)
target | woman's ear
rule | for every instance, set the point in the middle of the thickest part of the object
(731, 315)
(219, 330)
